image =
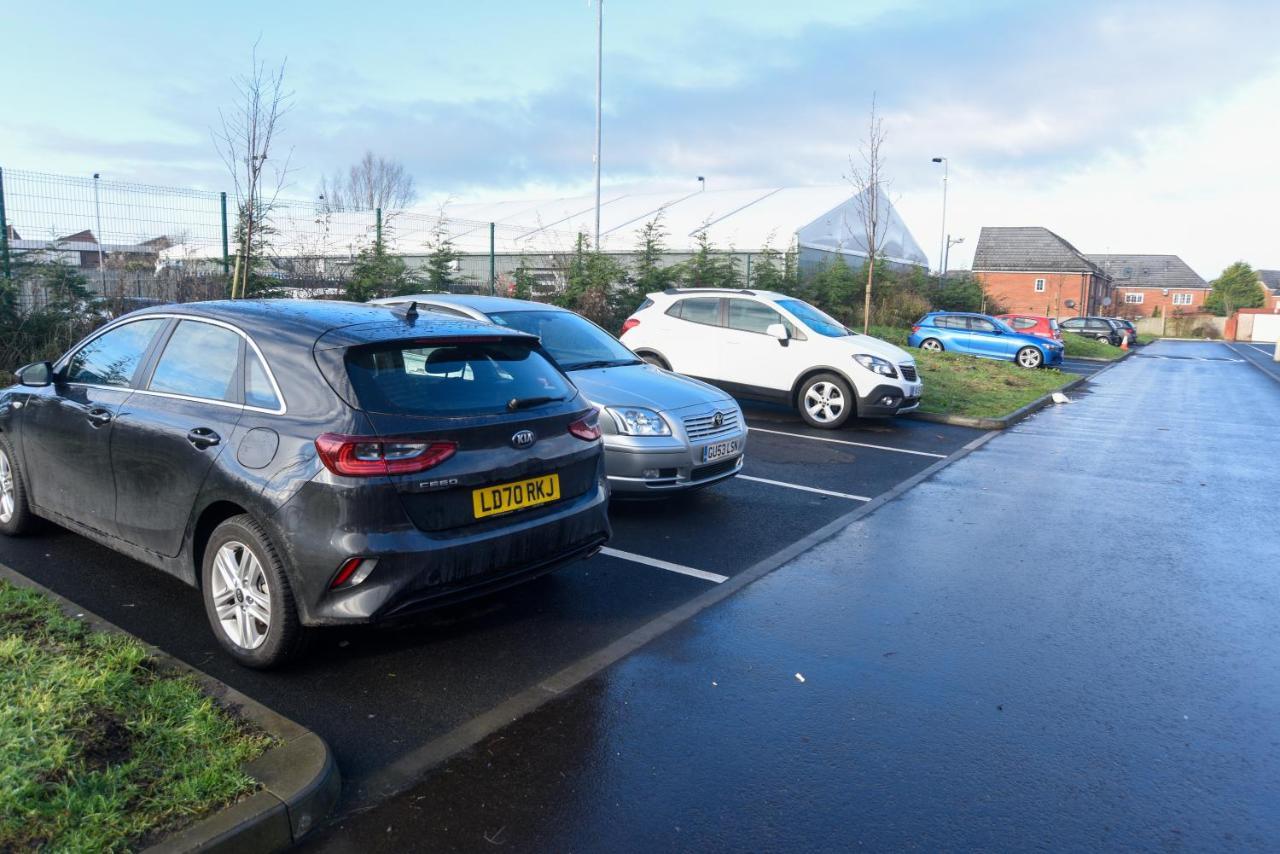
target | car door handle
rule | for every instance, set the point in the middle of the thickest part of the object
(203, 437)
(98, 417)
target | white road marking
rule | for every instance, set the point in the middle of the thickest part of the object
(662, 564)
(847, 442)
(830, 492)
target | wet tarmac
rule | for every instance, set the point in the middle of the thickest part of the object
(1067, 640)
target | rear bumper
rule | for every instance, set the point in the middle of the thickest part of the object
(418, 571)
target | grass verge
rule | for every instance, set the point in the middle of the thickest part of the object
(1090, 348)
(979, 388)
(98, 751)
(1144, 338)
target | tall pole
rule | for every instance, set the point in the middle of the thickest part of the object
(226, 249)
(942, 242)
(599, 92)
(493, 269)
(97, 215)
(4, 233)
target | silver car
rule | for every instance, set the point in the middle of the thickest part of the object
(662, 432)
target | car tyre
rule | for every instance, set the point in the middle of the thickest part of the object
(16, 517)
(932, 344)
(655, 360)
(1029, 357)
(247, 596)
(826, 401)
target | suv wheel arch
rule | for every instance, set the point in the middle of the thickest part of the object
(813, 372)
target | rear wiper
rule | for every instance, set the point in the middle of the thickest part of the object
(525, 402)
(602, 363)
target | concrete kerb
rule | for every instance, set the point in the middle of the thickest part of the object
(300, 781)
(1126, 354)
(413, 767)
(1231, 345)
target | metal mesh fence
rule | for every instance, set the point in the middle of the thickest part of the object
(135, 243)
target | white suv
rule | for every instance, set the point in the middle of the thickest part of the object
(770, 346)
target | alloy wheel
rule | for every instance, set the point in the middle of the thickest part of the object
(824, 401)
(1029, 357)
(241, 595)
(8, 492)
(931, 345)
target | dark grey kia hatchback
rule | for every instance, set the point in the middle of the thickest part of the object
(309, 463)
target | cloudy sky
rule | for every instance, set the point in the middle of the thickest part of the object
(1125, 127)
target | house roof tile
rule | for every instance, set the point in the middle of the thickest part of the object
(1028, 248)
(1149, 271)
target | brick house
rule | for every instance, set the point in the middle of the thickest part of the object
(1145, 283)
(1270, 281)
(1031, 270)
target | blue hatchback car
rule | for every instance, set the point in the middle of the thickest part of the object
(985, 336)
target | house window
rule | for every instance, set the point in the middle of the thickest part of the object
(1039, 286)
(1182, 299)
(1133, 299)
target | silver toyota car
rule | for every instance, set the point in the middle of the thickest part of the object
(662, 432)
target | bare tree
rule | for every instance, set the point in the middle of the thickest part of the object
(374, 182)
(244, 143)
(870, 186)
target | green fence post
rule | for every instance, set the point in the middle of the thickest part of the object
(748, 269)
(493, 276)
(4, 233)
(226, 247)
(377, 229)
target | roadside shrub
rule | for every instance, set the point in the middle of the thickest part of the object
(62, 311)
(898, 308)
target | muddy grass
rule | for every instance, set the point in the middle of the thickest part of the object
(99, 751)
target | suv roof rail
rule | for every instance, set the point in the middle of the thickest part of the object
(675, 291)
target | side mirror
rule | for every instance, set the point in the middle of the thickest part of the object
(777, 330)
(36, 375)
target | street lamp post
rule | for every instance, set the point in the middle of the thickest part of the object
(942, 247)
(599, 89)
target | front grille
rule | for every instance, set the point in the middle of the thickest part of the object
(714, 469)
(908, 372)
(704, 426)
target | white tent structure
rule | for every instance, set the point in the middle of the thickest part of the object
(816, 219)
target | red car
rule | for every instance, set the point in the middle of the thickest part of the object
(1034, 324)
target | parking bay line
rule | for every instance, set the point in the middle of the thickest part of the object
(662, 564)
(813, 489)
(929, 454)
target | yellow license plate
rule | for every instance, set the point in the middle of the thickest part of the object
(508, 497)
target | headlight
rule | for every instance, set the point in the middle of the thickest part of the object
(875, 364)
(638, 421)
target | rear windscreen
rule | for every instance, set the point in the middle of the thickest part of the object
(464, 378)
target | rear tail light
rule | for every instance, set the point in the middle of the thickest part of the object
(915, 329)
(361, 456)
(630, 323)
(587, 428)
